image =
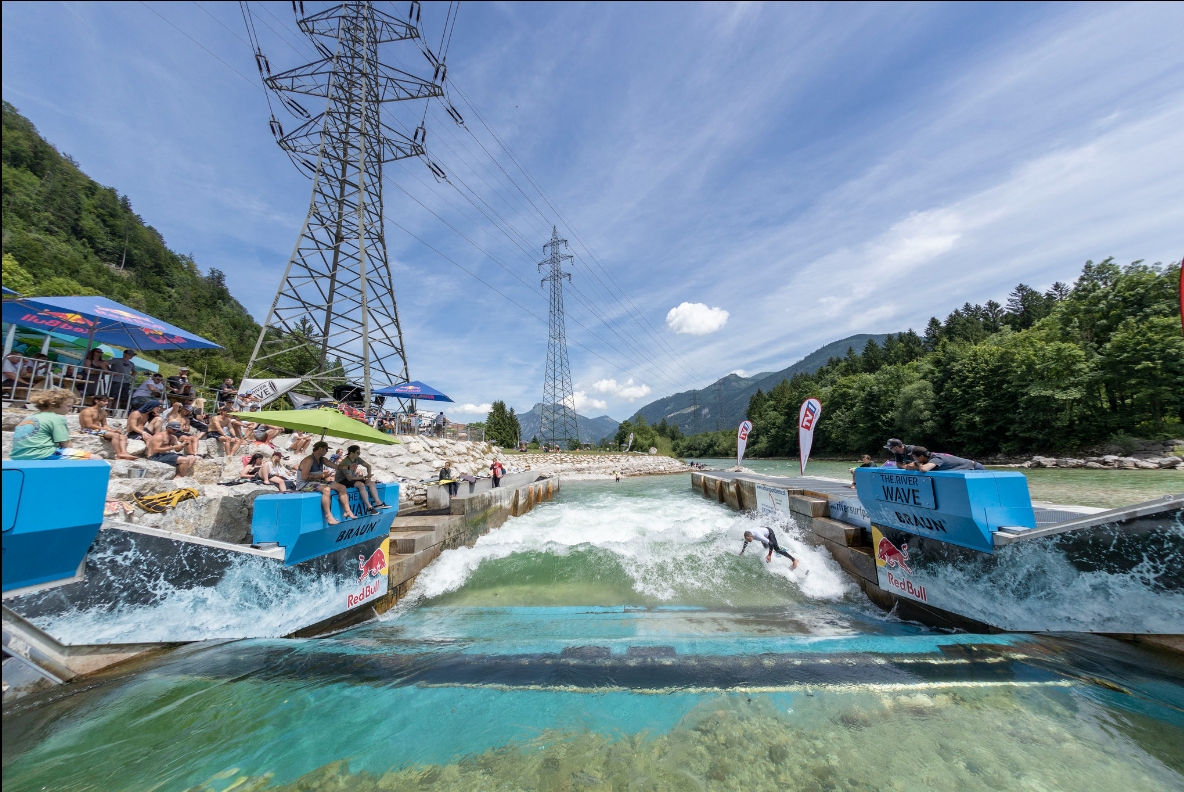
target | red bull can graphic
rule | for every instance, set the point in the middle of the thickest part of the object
(891, 562)
(372, 576)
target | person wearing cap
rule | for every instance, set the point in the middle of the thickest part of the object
(140, 421)
(316, 472)
(123, 370)
(903, 453)
(179, 384)
(165, 446)
(93, 421)
(347, 474)
(151, 389)
(925, 460)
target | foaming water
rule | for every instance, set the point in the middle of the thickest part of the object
(614, 544)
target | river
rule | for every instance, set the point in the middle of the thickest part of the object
(613, 639)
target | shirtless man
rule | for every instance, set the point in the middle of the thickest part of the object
(184, 433)
(222, 430)
(163, 447)
(316, 471)
(140, 421)
(769, 539)
(93, 421)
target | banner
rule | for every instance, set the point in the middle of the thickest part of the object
(266, 390)
(630, 443)
(807, 420)
(773, 501)
(742, 440)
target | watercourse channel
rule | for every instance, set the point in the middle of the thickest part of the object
(613, 639)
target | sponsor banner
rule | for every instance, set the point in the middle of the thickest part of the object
(904, 489)
(267, 390)
(372, 578)
(630, 443)
(850, 511)
(807, 421)
(742, 439)
(772, 501)
(896, 564)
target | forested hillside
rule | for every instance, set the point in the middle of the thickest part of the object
(65, 234)
(1075, 366)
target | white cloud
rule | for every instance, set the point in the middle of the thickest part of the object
(581, 400)
(696, 319)
(624, 390)
(739, 372)
(473, 409)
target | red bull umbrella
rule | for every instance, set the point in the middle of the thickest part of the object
(414, 390)
(102, 321)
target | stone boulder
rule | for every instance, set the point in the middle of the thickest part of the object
(1042, 462)
(1095, 466)
(124, 489)
(1068, 462)
(121, 468)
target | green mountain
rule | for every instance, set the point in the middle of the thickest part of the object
(738, 390)
(591, 430)
(65, 234)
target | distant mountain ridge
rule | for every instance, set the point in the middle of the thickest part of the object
(591, 430)
(738, 390)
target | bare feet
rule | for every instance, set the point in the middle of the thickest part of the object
(795, 564)
(125, 456)
(349, 515)
(331, 520)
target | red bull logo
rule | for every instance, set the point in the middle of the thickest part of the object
(68, 318)
(373, 566)
(887, 552)
(128, 316)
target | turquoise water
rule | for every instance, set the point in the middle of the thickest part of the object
(613, 639)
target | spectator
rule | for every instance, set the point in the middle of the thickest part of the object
(338, 455)
(258, 468)
(347, 475)
(183, 430)
(298, 442)
(16, 373)
(179, 384)
(93, 421)
(227, 392)
(865, 461)
(141, 422)
(903, 454)
(312, 473)
(279, 469)
(45, 434)
(440, 422)
(123, 371)
(222, 430)
(163, 446)
(446, 475)
(924, 460)
(151, 389)
(497, 471)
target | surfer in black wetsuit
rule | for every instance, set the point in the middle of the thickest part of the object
(769, 539)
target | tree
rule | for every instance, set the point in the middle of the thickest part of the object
(501, 426)
(932, 334)
(1026, 307)
(1143, 363)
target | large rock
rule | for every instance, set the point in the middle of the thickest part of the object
(1095, 466)
(1043, 462)
(1070, 463)
(221, 513)
(124, 489)
(121, 468)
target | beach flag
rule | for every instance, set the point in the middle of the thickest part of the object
(807, 420)
(630, 443)
(742, 440)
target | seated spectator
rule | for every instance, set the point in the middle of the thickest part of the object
(264, 433)
(222, 430)
(183, 430)
(258, 468)
(197, 416)
(348, 475)
(16, 373)
(164, 446)
(865, 461)
(278, 467)
(179, 384)
(141, 421)
(151, 389)
(45, 434)
(314, 472)
(298, 442)
(93, 421)
(924, 460)
(227, 392)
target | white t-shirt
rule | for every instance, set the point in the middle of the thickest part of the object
(760, 534)
(10, 368)
(153, 390)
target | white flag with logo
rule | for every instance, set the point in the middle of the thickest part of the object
(630, 443)
(742, 440)
(807, 420)
(266, 390)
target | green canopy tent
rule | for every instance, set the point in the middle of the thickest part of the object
(323, 420)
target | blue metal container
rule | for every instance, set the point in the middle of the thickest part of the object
(51, 513)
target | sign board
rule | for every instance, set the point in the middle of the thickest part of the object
(906, 489)
(267, 390)
(850, 511)
(896, 566)
(772, 501)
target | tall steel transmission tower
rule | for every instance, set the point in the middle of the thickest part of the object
(334, 318)
(559, 415)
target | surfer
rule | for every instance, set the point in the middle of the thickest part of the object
(769, 539)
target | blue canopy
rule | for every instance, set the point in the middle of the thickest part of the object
(412, 390)
(9, 291)
(100, 320)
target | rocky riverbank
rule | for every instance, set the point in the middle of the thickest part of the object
(596, 467)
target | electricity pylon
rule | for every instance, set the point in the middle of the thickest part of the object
(334, 318)
(559, 414)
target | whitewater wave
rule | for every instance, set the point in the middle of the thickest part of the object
(608, 548)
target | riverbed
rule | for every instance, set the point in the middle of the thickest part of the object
(1103, 489)
(614, 639)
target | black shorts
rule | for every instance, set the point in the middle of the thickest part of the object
(773, 541)
(167, 457)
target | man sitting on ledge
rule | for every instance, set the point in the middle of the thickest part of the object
(93, 421)
(312, 474)
(925, 461)
(346, 476)
(164, 445)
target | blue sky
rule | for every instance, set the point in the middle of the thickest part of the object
(755, 180)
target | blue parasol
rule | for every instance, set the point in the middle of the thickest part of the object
(412, 390)
(100, 320)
